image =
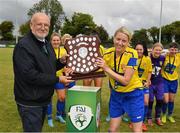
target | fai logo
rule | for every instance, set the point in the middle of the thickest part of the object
(80, 116)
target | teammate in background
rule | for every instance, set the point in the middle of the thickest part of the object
(97, 81)
(170, 76)
(144, 72)
(156, 88)
(59, 87)
(126, 88)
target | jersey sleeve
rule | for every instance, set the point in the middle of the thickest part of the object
(178, 56)
(108, 55)
(101, 50)
(62, 51)
(133, 60)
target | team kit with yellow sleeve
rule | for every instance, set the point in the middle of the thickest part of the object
(59, 53)
(129, 98)
(170, 73)
(101, 51)
(170, 80)
(144, 68)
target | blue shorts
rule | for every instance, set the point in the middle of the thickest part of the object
(131, 102)
(60, 86)
(146, 90)
(170, 86)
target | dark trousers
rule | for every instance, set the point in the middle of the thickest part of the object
(32, 117)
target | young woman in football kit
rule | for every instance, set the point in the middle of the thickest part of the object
(126, 88)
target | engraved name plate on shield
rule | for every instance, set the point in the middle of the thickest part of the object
(83, 51)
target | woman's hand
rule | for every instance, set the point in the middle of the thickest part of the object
(147, 84)
(101, 63)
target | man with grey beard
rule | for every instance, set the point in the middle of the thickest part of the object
(35, 68)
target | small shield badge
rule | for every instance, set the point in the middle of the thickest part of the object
(80, 116)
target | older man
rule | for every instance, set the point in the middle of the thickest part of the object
(35, 68)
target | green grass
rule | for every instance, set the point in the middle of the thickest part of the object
(10, 120)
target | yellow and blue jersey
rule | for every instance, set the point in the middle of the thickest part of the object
(102, 51)
(178, 56)
(144, 67)
(170, 67)
(127, 60)
(59, 53)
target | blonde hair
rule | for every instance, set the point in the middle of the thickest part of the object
(55, 34)
(124, 30)
(65, 37)
(157, 45)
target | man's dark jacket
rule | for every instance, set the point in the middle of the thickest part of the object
(34, 71)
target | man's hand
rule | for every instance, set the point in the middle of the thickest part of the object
(65, 79)
(68, 71)
(63, 59)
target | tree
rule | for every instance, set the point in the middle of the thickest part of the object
(6, 28)
(68, 28)
(79, 24)
(102, 33)
(167, 33)
(171, 32)
(52, 8)
(154, 34)
(141, 36)
(176, 32)
(24, 28)
(109, 43)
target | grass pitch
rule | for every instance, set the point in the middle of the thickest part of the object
(10, 120)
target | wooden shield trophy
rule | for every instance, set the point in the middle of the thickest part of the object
(83, 51)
